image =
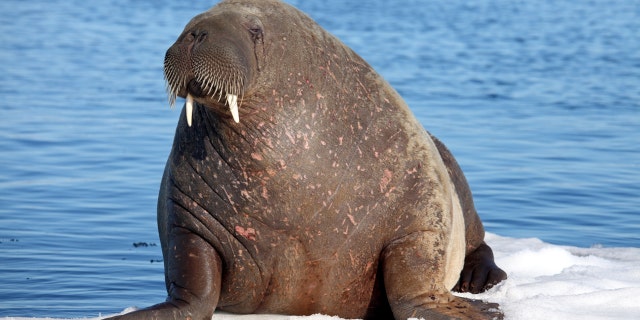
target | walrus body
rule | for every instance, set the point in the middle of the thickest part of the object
(319, 193)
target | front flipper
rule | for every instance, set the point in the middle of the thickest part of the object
(461, 308)
(414, 273)
(480, 272)
(194, 273)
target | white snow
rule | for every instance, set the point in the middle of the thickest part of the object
(547, 282)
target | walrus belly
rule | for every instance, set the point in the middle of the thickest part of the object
(456, 249)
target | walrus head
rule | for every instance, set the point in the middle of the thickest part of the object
(214, 60)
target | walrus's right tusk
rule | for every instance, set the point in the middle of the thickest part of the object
(189, 109)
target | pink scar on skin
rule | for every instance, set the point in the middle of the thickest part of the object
(249, 233)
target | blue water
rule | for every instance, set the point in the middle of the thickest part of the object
(539, 100)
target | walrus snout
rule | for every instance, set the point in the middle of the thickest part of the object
(213, 62)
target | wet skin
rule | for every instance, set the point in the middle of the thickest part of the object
(321, 194)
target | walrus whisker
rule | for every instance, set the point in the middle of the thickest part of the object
(219, 95)
(210, 87)
(169, 90)
(172, 100)
(172, 87)
(172, 94)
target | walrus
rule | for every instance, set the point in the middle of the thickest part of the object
(299, 182)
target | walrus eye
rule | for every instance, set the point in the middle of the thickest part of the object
(256, 32)
(254, 26)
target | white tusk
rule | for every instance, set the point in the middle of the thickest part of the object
(189, 109)
(232, 100)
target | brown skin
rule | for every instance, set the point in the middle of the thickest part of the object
(480, 272)
(327, 197)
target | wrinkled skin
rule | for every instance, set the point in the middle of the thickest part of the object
(327, 197)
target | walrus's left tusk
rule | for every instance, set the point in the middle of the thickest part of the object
(189, 109)
(232, 100)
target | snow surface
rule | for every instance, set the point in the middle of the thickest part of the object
(546, 282)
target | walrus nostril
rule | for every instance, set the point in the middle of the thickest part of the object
(198, 35)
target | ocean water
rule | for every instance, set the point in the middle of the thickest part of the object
(539, 101)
